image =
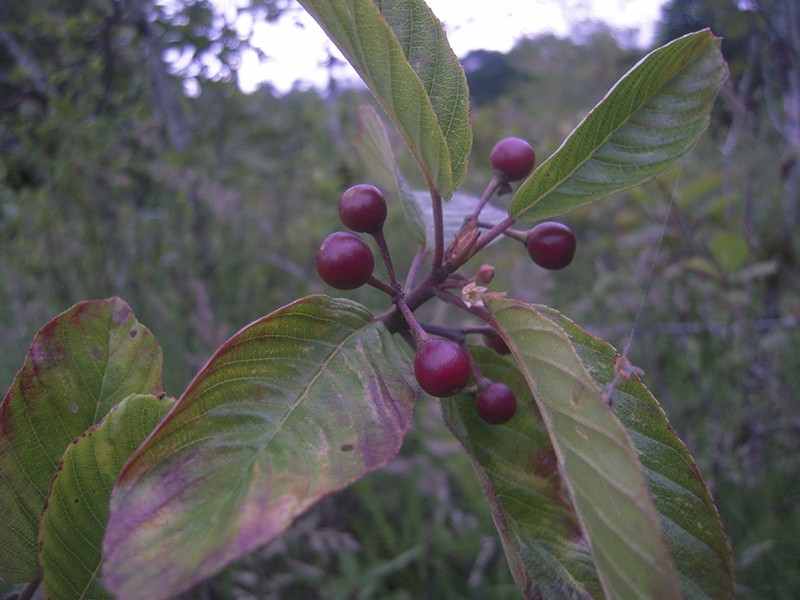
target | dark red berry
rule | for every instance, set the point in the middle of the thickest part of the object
(344, 261)
(442, 367)
(496, 404)
(551, 245)
(362, 208)
(513, 158)
(496, 343)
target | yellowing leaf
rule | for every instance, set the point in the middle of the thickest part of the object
(297, 405)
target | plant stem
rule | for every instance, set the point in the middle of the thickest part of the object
(380, 240)
(491, 188)
(478, 311)
(453, 333)
(480, 379)
(416, 265)
(29, 590)
(392, 290)
(438, 230)
(516, 234)
(416, 329)
(419, 294)
(488, 237)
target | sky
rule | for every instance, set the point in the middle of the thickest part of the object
(297, 48)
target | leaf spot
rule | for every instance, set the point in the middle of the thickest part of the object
(72, 407)
(346, 447)
(133, 332)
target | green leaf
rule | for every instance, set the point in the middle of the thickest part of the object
(425, 95)
(729, 250)
(597, 461)
(690, 521)
(372, 143)
(517, 469)
(645, 125)
(74, 520)
(297, 405)
(701, 264)
(79, 366)
(428, 51)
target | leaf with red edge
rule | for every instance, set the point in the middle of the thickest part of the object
(297, 405)
(80, 365)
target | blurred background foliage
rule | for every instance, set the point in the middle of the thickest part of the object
(124, 174)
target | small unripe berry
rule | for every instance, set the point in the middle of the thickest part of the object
(362, 208)
(513, 158)
(442, 367)
(344, 261)
(551, 245)
(496, 404)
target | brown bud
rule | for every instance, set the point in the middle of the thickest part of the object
(485, 274)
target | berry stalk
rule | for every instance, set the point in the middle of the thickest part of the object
(380, 241)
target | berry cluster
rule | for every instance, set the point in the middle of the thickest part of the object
(344, 261)
(443, 368)
(442, 365)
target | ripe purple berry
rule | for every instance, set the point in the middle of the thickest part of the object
(362, 208)
(496, 404)
(345, 261)
(551, 245)
(496, 343)
(513, 158)
(442, 367)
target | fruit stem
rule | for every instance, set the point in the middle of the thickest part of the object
(452, 333)
(392, 290)
(488, 237)
(380, 240)
(516, 234)
(491, 188)
(416, 329)
(480, 379)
